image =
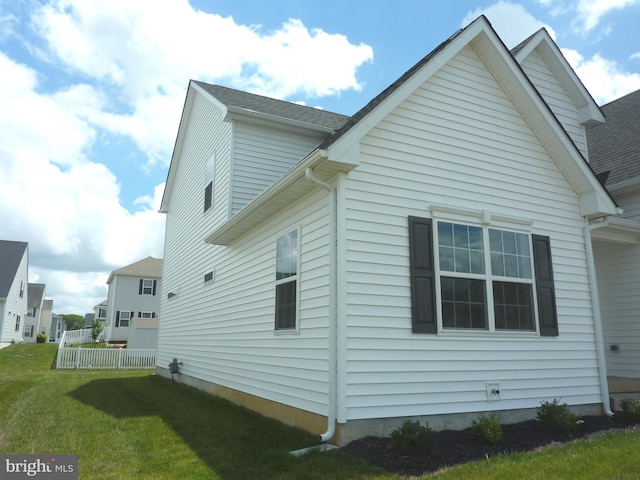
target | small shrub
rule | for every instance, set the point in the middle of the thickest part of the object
(41, 338)
(411, 438)
(556, 416)
(96, 329)
(488, 428)
(630, 410)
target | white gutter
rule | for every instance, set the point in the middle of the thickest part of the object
(597, 318)
(333, 292)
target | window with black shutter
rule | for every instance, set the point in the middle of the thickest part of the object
(487, 278)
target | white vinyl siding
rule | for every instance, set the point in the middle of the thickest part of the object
(261, 155)
(16, 304)
(457, 141)
(617, 268)
(561, 105)
(223, 331)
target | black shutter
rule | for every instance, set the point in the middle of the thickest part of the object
(545, 289)
(153, 314)
(154, 286)
(423, 301)
(140, 287)
(117, 318)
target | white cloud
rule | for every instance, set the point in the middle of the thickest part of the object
(64, 205)
(591, 12)
(512, 22)
(167, 43)
(604, 78)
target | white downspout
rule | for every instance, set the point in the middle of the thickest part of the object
(597, 318)
(333, 292)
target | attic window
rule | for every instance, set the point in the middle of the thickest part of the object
(208, 277)
(209, 177)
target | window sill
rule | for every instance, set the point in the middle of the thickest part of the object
(488, 333)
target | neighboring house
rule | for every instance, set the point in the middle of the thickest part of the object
(614, 153)
(14, 261)
(134, 292)
(58, 327)
(100, 311)
(33, 318)
(428, 258)
(45, 318)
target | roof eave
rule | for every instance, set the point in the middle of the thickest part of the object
(282, 193)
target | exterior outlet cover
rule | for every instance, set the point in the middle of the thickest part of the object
(493, 391)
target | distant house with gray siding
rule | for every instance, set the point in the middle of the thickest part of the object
(134, 292)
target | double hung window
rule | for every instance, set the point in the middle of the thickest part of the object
(286, 308)
(485, 278)
(476, 277)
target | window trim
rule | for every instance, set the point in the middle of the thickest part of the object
(293, 278)
(487, 277)
(142, 287)
(426, 303)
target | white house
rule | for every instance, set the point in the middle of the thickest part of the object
(57, 328)
(134, 292)
(614, 151)
(35, 303)
(14, 261)
(100, 311)
(429, 257)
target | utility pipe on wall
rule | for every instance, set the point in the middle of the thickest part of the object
(597, 318)
(333, 329)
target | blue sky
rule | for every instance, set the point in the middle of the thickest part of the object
(92, 94)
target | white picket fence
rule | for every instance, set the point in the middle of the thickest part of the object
(99, 357)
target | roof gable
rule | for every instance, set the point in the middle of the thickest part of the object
(594, 199)
(35, 294)
(250, 107)
(342, 148)
(11, 254)
(542, 43)
(147, 267)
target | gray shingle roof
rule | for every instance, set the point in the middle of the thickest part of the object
(272, 106)
(10, 256)
(614, 146)
(147, 267)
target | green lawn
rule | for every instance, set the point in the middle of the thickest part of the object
(135, 425)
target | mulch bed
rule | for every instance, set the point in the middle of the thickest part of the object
(449, 447)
